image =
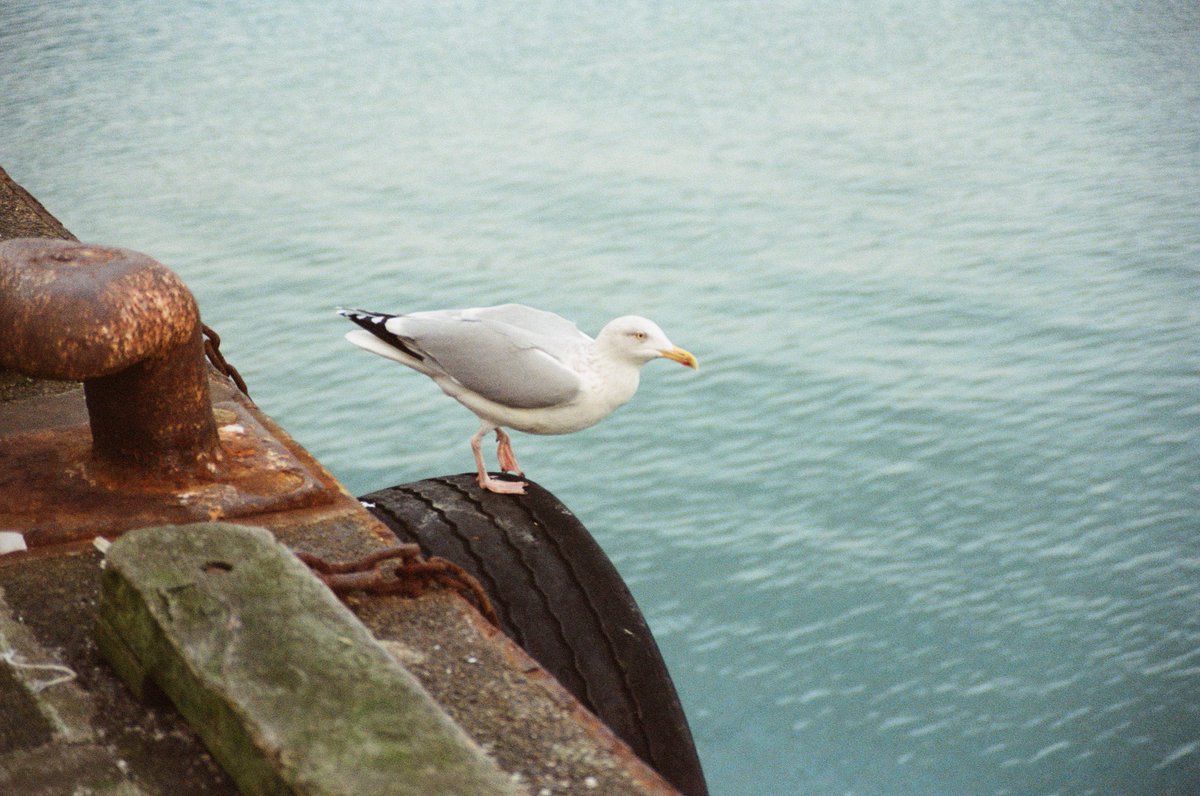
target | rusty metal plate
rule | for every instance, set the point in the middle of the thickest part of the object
(54, 490)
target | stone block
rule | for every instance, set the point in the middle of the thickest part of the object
(290, 692)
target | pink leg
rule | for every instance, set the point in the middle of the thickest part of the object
(504, 453)
(485, 480)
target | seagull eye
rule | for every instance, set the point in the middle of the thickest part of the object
(639, 336)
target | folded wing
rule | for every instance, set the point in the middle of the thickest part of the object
(513, 355)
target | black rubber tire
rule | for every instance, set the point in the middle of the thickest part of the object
(559, 597)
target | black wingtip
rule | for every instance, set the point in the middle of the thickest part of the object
(352, 314)
(374, 322)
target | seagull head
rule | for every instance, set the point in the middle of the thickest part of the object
(639, 340)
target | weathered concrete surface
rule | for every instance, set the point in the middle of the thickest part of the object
(504, 701)
(22, 216)
(288, 690)
(92, 735)
(533, 727)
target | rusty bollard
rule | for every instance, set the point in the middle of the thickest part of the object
(129, 329)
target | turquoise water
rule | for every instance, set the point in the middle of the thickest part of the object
(926, 520)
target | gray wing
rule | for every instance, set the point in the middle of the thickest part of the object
(527, 326)
(513, 355)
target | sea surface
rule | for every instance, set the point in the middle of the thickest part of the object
(927, 519)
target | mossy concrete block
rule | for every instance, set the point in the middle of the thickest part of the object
(290, 692)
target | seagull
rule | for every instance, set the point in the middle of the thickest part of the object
(518, 367)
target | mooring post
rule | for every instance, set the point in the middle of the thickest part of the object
(129, 329)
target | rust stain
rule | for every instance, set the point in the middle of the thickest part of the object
(55, 490)
(126, 326)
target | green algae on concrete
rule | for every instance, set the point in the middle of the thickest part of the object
(290, 692)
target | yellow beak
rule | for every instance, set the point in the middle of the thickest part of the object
(681, 356)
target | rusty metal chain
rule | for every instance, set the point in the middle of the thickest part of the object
(212, 348)
(412, 577)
